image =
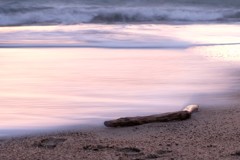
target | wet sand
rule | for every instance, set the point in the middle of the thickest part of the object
(211, 133)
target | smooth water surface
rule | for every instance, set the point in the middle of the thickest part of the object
(42, 88)
(80, 75)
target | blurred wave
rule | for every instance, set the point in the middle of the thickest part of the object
(75, 12)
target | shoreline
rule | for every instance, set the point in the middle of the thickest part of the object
(211, 133)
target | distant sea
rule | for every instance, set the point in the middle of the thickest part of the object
(68, 64)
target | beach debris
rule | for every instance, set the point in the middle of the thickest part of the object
(129, 149)
(166, 117)
(152, 156)
(97, 147)
(158, 154)
(163, 151)
(237, 153)
(50, 143)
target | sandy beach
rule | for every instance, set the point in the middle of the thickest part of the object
(211, 133)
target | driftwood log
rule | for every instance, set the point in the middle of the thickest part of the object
(173, 116)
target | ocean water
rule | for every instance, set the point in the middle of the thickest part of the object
(74, 64)
(32, 12)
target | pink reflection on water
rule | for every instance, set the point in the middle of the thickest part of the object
(51, 87)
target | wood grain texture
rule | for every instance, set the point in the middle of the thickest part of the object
(139, 120)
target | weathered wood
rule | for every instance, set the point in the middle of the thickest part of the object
(191, 108)
(173, 116)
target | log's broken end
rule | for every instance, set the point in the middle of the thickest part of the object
(191, 108)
